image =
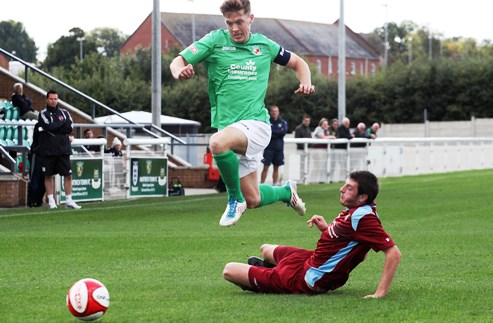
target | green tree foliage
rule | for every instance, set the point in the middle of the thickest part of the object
(66, 50)
(14, 38)
(108, 40)
(452, 85)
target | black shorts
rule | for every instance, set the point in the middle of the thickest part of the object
(275, 157)
(53, 165)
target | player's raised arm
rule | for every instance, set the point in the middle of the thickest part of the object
(303, 74)
(180, 69)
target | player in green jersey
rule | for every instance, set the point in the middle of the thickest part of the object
(238, 65)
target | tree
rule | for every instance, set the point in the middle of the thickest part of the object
(14, 38)
(108, 40)
(66, 50)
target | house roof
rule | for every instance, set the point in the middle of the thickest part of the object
(301, 37)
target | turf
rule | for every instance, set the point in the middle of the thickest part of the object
(162, 258)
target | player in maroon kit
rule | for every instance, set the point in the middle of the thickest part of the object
(343, 244)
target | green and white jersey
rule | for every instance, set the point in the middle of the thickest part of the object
(238, 75)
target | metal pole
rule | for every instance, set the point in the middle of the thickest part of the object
(341, 93)
(193, 22)
(385, 26)
(156, 65)
(81, 51)
(410, 49)
(430, 54)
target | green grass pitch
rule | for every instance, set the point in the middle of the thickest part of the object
(162, 258)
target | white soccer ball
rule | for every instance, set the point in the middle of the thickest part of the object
(88, 299)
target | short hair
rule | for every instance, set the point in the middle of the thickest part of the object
(306, 116)
(230, 6)
(51, 92)
(322, 121)
(367, 184)
(17, 88)
(87, 130)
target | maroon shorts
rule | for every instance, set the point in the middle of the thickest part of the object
(287, 277)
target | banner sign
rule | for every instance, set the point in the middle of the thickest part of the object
(87, 180)
(148, 177)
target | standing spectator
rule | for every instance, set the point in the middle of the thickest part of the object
(116, 148)
(55, 148)
(88, 134)
(322, 132)
(334, 124)
(23, 103)
(344, 243)
(360, 131)
(238, 65)
(343, 131)
(274, 152)
(36, 188)
(319, 157)
(303, 130)
(372, 131)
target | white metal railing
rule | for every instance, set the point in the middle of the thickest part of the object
(385, 157)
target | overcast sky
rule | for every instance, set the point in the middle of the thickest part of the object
(47, 20)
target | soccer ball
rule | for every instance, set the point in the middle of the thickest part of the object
(88, 299)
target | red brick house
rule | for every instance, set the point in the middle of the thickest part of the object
(317, 42)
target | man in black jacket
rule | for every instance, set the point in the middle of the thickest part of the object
(36, 188)
(55, 148)
(303, 131)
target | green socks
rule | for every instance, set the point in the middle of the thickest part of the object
(271, 194)
(228, 165)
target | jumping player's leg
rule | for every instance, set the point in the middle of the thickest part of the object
(224, 145)
(247, 139)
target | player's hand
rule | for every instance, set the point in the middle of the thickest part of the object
(305, 89)
(186, 73)
(318, 221)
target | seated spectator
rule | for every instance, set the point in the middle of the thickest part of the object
(116, 148)
(23, 103)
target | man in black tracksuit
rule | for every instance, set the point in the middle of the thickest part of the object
(36, 187)
(274, 152)
(55, 125)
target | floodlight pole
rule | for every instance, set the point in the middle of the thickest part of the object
(341, 92)
(386, 29)
(156, 64)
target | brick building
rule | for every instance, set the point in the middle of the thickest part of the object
(317, 42)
